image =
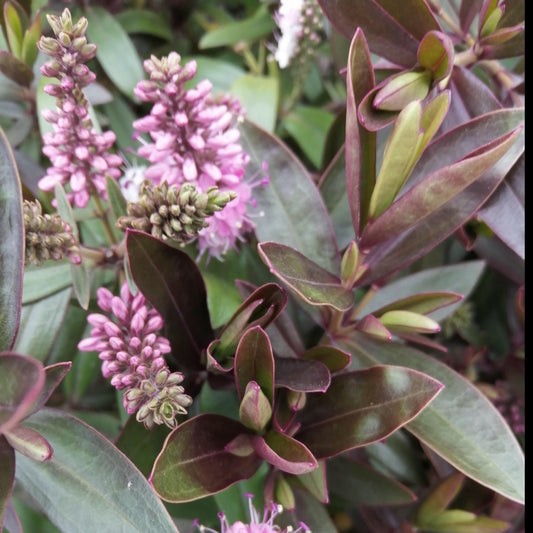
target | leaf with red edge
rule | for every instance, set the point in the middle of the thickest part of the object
(436, 53)
(301, 375)
(285, 453)
(360, 146)
(395, 254)
(422, 303)
(362, 407)
(172, 283)
(21, 381)
(30, 443)
(7, 475)
(11, 246)
(194, 452)
(334, 358)
(393, 29)
(254, 361)
(308, 280)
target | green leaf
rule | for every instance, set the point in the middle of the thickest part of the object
(311, 282)
(40, 323)
(30, 443)
(21, 381)
(461, 424)
(145, 21)
(291, 203)
(117, 202)
(440, 498)
(7, 475)
(103, 486)
(309, 127)
(357, 484)
(45, 280)
(116, 53)
(183, 471)
(222, 74)
(362, 407)
(259, 97)
(11, 245)
(436, 53)
(15, 69)
(248, 30)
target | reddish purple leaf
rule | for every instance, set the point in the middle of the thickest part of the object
(172, 283)
(334, 358)
(254, 362)
(362, 407)
(301, 375)
(285, 453)
(195, 461)
(360, 151)
(7, 475)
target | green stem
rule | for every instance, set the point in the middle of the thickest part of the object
(105, 221)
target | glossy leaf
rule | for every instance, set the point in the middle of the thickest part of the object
(285, 453)
(251, 29)
(53, 375)
(255, 411)
(301, 375)
(360, 146)
(421, 303)
(358, 484)
(116, 53)
(399, 320)
(40, 323)
(96, 479)
(357, 409)
(11, 246)
(21, 381)
(172, 283)
(393, 31)
(334, 358)
(481, 446)
(436, 53)
(254, 361)
(285, 214)
(310, 281)
(183, 471)
(7, 475)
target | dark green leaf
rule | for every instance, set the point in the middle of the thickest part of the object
(11, 246)
(362, 407)
(356, 484)
(184, 469)
(334, 358)
(117, 202)
(311, 282)
(7, 475)
(96, 479)
(145, 21)
(172, 283)
(116, 53)
(45, 280)
(461, 424)
(15, 69)
(285, 214)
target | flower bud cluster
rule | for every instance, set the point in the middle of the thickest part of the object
(172, 213)
(79, 154)
(47, 236)
(194, 140)
(126, 337)
(301, 26)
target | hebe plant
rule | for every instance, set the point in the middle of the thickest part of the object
(282, 263)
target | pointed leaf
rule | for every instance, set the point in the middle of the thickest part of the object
(393, 30)
(311, 282)
(357, 484)
(284, 214)
(15, 69)
(96, 479)
(302, 375)
(255, 411)
(314, 482)
(44, 281)
(440, 498)
(334, 358)
(371, 325)
(183, 471)
(435, 191)
(285, 453)
(362, 407)
(7, 476)
(21, 381)
(116, 52)
(421, 303)
(360, 146)
(117, 202)
(30, 443)
(54, 374)
(254, 361)
(409, 322)
(436, 53)
(11, 245)
(461, 424)
(172, 283)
